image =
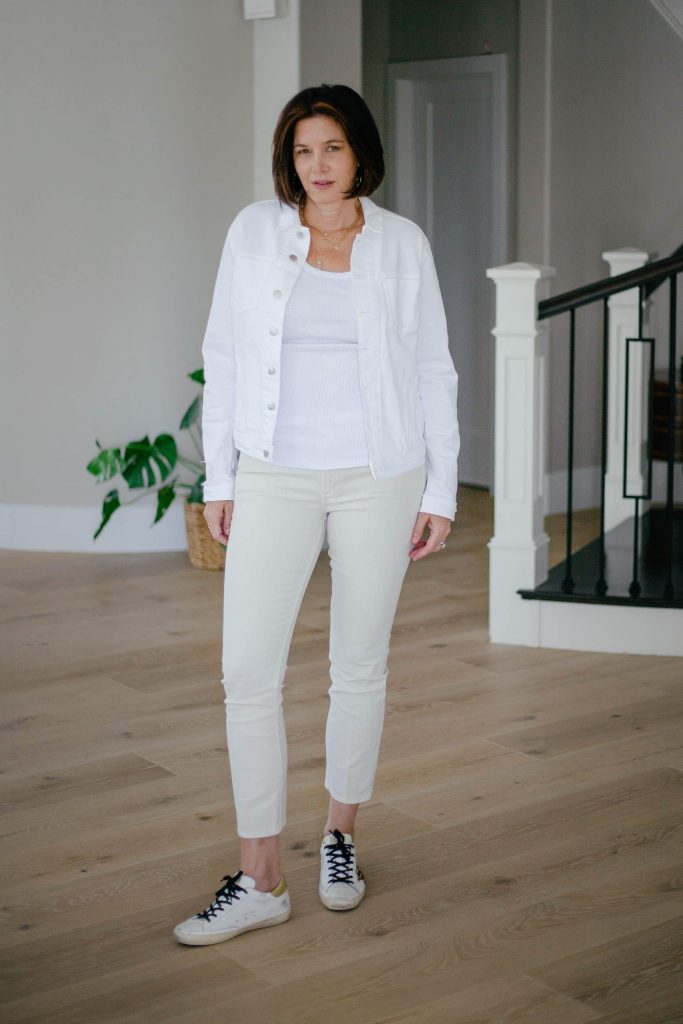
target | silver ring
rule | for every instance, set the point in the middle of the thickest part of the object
(442, 544)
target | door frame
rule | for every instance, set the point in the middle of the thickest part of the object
(399, 75)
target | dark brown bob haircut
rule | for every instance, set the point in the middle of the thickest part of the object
(351, 112)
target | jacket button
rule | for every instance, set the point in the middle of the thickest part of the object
(273, 330)
(271, 369)
(271, 405)
(293, 256)
(265, 452)
(277, 293)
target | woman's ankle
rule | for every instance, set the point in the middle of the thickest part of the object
(266, 883)
(260, 859)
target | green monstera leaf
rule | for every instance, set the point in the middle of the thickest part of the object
(141, 458)
(148, 464)
(165, 497)
(192, 415)
(109, 506)
(106, 464)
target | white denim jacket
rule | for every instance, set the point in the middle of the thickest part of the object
(408, 381)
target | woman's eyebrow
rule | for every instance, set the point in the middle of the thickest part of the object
(326, 142)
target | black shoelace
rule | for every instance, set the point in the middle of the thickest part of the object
(224, 896)
(340, 859)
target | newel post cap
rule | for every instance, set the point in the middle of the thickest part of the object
(520, 272)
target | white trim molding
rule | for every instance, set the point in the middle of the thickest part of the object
(70, 529)
(614, 629)
(64, 528)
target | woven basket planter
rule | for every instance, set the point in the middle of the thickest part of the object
(204, 551)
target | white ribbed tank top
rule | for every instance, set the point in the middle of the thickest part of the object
(320, 423)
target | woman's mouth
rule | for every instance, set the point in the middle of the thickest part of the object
(323, 184)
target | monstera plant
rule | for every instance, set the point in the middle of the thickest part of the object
(153, 466)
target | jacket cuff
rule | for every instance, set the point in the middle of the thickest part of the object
(224, 491)
(438, 506)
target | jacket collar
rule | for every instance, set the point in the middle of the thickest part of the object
(289, 215)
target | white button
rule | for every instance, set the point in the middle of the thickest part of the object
(271, 405)
(293, 256)
(299, 234)
(277, 293)
(265, 452)
(271, 369)
(273, 330)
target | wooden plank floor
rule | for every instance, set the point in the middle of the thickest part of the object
(522, 848)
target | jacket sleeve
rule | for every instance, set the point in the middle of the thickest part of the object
(438, 389)
(220, 454)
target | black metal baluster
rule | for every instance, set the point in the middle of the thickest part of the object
(568, 582)
(634, 586)
(601, 585)
(654, 531)
(669, 585)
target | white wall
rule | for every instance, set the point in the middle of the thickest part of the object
(127, 150)
(133, 132)
(331, 36)
(615, 155)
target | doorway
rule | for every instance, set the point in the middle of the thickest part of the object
(447, 170)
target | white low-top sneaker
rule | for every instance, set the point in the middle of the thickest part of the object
(342, 885)
(239, 906)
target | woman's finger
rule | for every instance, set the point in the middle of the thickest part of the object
(428, 547)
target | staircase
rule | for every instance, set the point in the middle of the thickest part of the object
(623, 591)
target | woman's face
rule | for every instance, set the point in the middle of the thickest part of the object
(323, 158)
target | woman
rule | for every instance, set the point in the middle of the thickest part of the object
(329, 409)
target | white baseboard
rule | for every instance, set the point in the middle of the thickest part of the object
(614, 629)
(70, 529)
(60, 528)
(584, 626)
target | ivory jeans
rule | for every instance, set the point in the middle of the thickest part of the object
(280, 518)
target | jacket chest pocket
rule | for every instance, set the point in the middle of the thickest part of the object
(249, 276)
(401, 297)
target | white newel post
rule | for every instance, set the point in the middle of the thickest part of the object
(518, 550)
(623, 323)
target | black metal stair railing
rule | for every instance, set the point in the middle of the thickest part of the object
(656, 541)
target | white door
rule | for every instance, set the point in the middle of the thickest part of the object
(446, 151)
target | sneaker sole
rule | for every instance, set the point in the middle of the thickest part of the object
(209, 939)
(339, 904)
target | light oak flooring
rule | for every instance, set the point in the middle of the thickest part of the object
(522, 849)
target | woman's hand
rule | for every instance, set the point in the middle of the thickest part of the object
(218, 515)
(439, 528)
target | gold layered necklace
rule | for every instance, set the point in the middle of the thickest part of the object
(330, 240)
